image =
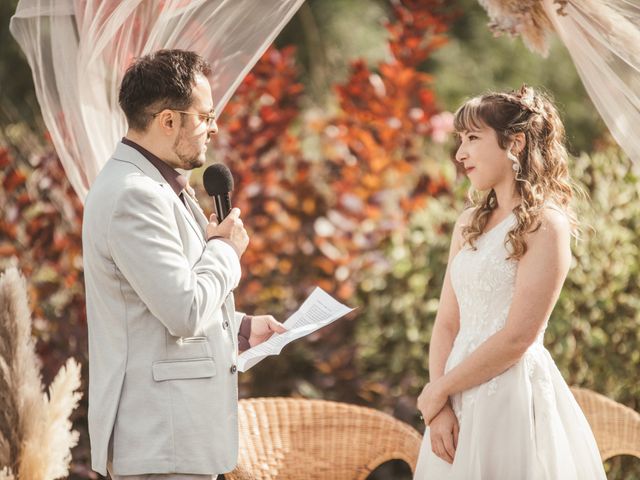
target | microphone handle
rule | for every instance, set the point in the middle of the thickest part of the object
(222, 204)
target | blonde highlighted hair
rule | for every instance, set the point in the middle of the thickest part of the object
(543, 176)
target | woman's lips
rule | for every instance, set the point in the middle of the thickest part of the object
(469, 169)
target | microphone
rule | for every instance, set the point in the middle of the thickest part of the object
(218, 183)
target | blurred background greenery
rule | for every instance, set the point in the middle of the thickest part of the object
(377, 357)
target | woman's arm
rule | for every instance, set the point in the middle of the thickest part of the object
(447, 321)
(444, 430)
(541, 273)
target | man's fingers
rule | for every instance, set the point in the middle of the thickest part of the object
(276, 326)
(213, 218)
(234, 213)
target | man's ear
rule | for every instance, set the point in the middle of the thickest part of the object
(167, 119)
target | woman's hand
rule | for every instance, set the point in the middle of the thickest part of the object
(443, 432)
(431, 401)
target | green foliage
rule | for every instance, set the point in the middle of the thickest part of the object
(329, 35)
(400, 300)
(593, 333)
(17, 95)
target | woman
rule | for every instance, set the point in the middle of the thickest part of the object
(497, 407)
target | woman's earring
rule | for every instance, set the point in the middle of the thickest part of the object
(514, 159)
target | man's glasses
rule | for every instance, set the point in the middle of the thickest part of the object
(210, 118)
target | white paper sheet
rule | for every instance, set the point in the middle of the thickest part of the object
(318, 310)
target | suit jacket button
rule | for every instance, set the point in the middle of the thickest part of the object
(225, 325)
(233, 369)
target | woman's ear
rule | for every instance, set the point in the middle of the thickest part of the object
(519, 142)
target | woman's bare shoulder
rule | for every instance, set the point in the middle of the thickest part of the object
(554, 227)
(463, 220)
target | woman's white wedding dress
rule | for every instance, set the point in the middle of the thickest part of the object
(525, 423)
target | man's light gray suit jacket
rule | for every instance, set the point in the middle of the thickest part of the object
(162, 327)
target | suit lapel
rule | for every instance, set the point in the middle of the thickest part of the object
(126, 153)
(198, 214)
(191, 218)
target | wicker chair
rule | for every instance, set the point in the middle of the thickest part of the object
(295, 439)
(298, 439)
(615, 426)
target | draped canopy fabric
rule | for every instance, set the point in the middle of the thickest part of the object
(78, 51)
(603, 39)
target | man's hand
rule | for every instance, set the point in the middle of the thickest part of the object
(231, 229)
(262, 327)
(443, 432)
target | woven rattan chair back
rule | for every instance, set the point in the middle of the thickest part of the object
(298, 439)
(615, 426)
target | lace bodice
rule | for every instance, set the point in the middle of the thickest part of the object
(483, 281)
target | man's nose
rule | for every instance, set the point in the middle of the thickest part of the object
(213, 129)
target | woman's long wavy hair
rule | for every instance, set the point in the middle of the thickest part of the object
(543, 175)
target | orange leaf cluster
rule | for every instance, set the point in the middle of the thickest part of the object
(274, 183)
(40, 226)
(316, 216)
(375, 146)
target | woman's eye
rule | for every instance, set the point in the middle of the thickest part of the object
(472, 137)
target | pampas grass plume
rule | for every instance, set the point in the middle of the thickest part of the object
(46, 450)
(5, 474)
(35, 431)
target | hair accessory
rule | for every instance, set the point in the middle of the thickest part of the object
(525, 97)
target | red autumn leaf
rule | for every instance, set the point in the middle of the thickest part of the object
(5, 158)
(7, 249)
(14, 179)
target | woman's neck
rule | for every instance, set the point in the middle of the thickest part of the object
(507, 198)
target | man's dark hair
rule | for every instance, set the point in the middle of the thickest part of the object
(163, 79)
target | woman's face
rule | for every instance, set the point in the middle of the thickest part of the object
(485, 163)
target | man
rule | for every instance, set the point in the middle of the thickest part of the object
(159, 279)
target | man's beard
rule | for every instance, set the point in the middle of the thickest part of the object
(187, 161)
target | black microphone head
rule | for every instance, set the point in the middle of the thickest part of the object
(217, 179)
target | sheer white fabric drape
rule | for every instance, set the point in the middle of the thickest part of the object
(78, 51)
(603, 38)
